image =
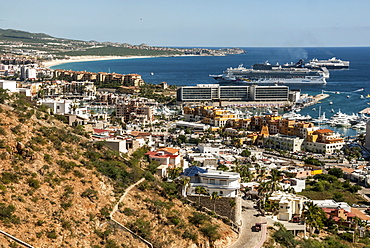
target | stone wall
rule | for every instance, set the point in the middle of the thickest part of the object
(221, 206)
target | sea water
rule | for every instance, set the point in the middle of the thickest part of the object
(345, 87)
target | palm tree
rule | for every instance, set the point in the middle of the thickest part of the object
(214, 196)
(313, 216)
(263, 189)
(274, 180)
(184, 182)
(261, 175)
(232, 204)
(200, 190)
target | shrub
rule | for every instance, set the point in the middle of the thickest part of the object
(141, 227)
(90, 193)
(211, 232)
(33, 183)
(128, 211)
(51, 234)
(16, 129)
(48, 158)
(198, 218)
(2, 131)
(190, 235)
(8, 177)
(66, 205)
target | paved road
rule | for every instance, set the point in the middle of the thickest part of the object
(247, 238)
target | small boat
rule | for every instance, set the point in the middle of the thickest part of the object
(332, 110)
(362, 96)
(348, 96)
(368, 95)
(152, 73)
(313, 109)
(331, 103)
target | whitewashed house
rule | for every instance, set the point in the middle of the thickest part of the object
(226, 184)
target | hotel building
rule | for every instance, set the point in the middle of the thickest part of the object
(215, 92)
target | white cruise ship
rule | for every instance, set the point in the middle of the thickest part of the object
(273, 74)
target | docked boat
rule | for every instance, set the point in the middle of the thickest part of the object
(272, 74)
(340, 119)
(297, 117)
(330, 64)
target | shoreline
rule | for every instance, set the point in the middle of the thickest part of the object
(76, 59)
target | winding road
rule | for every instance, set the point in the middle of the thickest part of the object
(247, 237)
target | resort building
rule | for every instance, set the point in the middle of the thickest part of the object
(324, 141)
(215, 92)
(284, 142)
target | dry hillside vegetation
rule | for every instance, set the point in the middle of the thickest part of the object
(57, 189)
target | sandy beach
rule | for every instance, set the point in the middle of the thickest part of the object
(48, 64)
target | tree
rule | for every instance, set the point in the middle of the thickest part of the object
(174, 172)
(274, 178)
(336, 172)
(314, 216)
(232, 204)
(4, 95)
(184, 182)
(214, 196)
(200, 190)
(243, 170)
(245, 153)
(262, 190)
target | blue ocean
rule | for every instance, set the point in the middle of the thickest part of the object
(192, 70)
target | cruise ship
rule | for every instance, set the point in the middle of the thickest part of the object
(330, 64)
(273, 74)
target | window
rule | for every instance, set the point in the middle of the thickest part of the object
(223, 182)
(211, 181)
(221, 192)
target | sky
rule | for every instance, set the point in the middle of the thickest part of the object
(196, 23)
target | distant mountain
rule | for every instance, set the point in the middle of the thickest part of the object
(18, 35)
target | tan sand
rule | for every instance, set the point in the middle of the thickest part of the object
(51, 63)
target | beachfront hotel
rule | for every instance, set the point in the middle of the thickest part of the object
(216, 92)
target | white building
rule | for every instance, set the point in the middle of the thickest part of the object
(117, 145)
(209, 148)
(284, 142)
(226, 184)
(290, 205)
(193, 126)
(11, 86)
(332, 204)
(297, 184)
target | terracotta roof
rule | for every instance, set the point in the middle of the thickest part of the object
(360, 214)
(98, 131)
(138, 133)
(347, 170)
(169, 150)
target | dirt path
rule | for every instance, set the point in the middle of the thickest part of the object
(248, 238)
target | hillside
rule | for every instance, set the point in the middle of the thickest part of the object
(44, 46)
(57, 189)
